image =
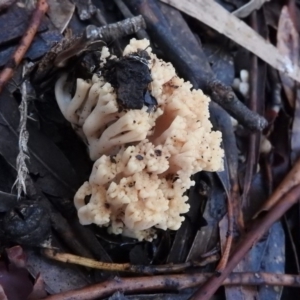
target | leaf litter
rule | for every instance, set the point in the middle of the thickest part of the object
(225, 205)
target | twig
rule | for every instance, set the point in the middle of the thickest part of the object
(218, 18)
(250, 238)
(68, 48)
(7, 73)
(226, 98)
(141, 34)
(116, 30)
(197, 71)
(58, 222)
(172, 283)
(127, 267)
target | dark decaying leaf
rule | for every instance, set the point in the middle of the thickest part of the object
(194, 55)
(41, 44)
(220, 60)
(193, 221)
(7, 178)
(27, 223)
(260, 256)
(47, 37)
(13, 22)
(182, 240)
(7, 201)
(273, 261)
(280, 139)
(53, 173)
(57, 277)
(213, 199)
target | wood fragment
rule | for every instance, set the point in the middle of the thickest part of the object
(207, 290)
(116, 30)
(92, 33)
(7, 73)
(173, 283)
(141, 34)
(126, 267)
(215, 16)
(225, 97)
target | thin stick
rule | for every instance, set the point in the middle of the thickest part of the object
(225, 97)
(251, 238)
(67, 49)
(173, 283)
(141, 34)
(25, 43)
(127, 267)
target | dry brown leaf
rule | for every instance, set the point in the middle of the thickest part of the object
(215, 16)
(288, 45)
